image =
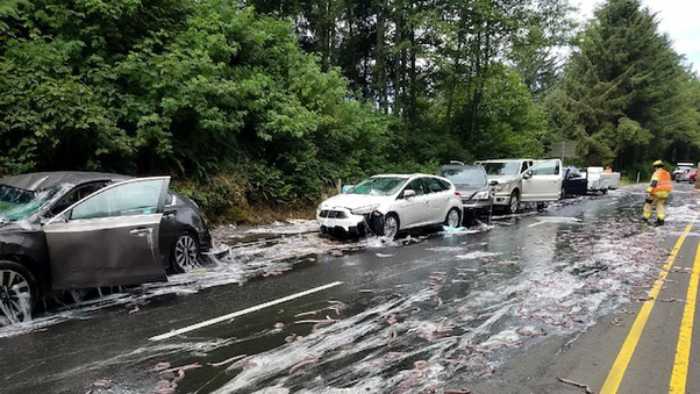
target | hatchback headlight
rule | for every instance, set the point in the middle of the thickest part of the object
(366, 210)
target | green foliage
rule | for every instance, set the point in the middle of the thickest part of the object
(195, 88)
(625, 96)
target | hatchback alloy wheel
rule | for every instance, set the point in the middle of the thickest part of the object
(453, 218)
(15, 296)
(391, 226)
(186, 253)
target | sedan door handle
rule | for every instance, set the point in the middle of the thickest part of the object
(140, 232)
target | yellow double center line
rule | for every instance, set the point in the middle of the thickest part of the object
(679, 375)
(617, 372)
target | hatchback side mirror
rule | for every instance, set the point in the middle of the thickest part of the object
(527, 174)
(493, 183)
(408, 193)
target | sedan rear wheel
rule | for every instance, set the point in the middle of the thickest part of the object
(391, 226)
(185, 253)
(17, 293)
(453, 218)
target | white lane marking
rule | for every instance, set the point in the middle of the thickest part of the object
(246, 311)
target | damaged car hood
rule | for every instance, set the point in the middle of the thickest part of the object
(354, 201)
(23, 225)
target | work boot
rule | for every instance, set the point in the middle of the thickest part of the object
(659, 222)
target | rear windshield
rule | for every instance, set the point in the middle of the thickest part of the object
(465, 176)
(502, 168)
(379, 186)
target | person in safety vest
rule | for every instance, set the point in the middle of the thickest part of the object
(659, 190)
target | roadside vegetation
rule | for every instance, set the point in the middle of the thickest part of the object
(268, 103)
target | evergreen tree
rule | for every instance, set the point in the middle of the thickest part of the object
(623, 95)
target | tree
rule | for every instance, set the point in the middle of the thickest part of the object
(623, 94)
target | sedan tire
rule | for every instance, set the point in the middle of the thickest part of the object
(185, 253)
(18, 293)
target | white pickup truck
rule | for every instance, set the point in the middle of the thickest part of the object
(524, 180)
(600, 181)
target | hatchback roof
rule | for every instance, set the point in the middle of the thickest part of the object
(45, 180)
(401, 175)
(501, 160)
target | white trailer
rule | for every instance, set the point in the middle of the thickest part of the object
(600, 181)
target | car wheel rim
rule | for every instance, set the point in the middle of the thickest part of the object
(15, 297)
(453, 219)
(391, 227)
(186, 253)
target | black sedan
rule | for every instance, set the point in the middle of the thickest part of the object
(71, 230)
(575, 183)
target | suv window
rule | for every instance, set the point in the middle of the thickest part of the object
(134, 198)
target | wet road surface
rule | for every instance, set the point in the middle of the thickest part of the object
(503, 308)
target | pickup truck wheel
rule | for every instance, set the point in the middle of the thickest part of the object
(391, 226)
(17, 293)
(514, 202)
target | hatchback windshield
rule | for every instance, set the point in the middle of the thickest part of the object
(465, 176)
(18, 204)
(379, 186)
(502, 168)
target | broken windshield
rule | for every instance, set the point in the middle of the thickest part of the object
(379, 186)
(465, 176)
(502, 168)
(18, 204)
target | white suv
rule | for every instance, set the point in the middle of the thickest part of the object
(386, 204)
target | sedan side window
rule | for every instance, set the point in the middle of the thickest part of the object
(134, 198)
(74, 196)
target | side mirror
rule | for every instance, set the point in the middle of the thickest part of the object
(408, 193)
(493, 183)
(527, 174)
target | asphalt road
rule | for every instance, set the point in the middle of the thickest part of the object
(506, 308)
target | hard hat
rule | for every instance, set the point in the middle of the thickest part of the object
(658, 163)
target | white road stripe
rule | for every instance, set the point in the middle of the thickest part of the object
(242, 312)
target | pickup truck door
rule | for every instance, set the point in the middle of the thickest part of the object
(109, 238)
(543, 181)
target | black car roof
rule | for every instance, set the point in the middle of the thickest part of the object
(45, 180)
